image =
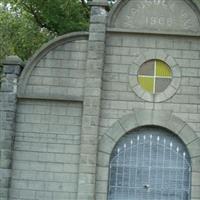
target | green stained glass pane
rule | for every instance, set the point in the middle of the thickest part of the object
(147, 83)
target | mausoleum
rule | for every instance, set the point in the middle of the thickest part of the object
(109, 114)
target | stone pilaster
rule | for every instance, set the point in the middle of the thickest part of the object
(92, 100)
(11, 70)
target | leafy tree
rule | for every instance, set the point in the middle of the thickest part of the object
(19, 35)
(57, 16)
(26, 25)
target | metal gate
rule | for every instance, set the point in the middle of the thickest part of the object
(149, 163)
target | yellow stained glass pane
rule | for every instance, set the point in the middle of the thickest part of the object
(162, 69)
(147, 83)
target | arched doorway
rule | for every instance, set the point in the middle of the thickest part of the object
(149, 163)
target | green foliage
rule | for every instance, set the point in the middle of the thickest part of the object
(19, 35)
(26, 25)
(57, 16)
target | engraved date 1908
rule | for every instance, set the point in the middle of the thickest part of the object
(156, 20)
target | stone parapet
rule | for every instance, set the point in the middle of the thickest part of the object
(12, 66)
(103, 3)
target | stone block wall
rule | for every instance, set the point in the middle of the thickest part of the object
(46, 150)
(60, 73)
(118, 97)
(5, 145)
(11, 71)
(76, 90)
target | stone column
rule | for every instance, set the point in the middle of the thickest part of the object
(11, 70)
(92, 101)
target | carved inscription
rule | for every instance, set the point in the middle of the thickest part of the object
(160, 15)
(162, 21)
(187, 20)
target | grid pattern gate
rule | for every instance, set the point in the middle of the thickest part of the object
(149, 163)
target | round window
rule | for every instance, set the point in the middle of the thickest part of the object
(154, 76)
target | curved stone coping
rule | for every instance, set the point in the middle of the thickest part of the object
(150, 32)
(169, 91)
(194, 4)
(34, 60)
(197, 4)
(143, 118)
(115, 10)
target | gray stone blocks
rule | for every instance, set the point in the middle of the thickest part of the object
(40, 163)
(60, 73)
(140, 118)
(92, 92)
(79, 95)
(11, 70)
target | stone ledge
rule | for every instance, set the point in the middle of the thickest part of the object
(12, 66)
(12, 60)
(58, 98)
(103, 3)
(144, 32)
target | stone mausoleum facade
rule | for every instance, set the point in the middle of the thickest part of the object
(109, 114)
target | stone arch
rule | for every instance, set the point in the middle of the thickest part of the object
(43, 51)
(144, 118)
(120, 12)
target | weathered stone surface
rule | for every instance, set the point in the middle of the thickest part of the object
(156, 16)
(47, 147)
(12, 67)
(80, 94)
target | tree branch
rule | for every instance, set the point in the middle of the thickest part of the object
(37, 17)
(84, 3)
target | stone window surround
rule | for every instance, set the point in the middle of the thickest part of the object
(141, 118)
(158, 55)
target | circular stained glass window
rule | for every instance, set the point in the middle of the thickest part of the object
(154, 76)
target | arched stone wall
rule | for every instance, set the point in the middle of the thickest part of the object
(143, 118)
(129, 15)
(49, 116)
(62, 58)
